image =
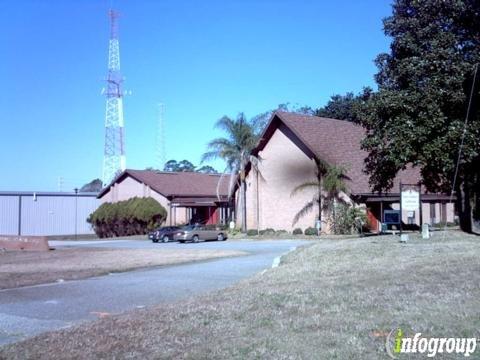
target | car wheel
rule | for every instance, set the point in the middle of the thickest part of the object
(155, 240)
(220, 237)
(195, 238)
(181, 241)
(165, 239)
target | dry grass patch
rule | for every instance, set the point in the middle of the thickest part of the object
(22, 268)
(332, 300)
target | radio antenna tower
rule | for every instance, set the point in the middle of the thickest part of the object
(114, 160)
(160, 148)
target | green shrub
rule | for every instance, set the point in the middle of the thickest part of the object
(134, 216)
(311, 231)
(267, 231)
(252, 232)
(234, 231)
(281, 232)
(349, 219)
(442, 224)
(223, 227)
(297, 231)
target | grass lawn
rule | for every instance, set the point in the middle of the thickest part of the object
(335, 299)
(22, 268)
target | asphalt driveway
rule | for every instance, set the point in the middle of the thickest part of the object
(31, 310)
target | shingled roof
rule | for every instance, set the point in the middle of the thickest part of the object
(336, 142)
(177, 184)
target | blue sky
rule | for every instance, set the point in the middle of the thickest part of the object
(202, 59)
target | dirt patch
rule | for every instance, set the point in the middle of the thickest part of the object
(331, 300)
(22, 268)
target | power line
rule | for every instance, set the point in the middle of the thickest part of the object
(459, 157)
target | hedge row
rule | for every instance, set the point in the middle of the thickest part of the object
(270, 231)
(135, 216)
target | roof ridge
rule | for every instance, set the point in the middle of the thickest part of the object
(186, 183)
(177, 172)
(293, 113)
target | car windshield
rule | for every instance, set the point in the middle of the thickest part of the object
(166, 228)
(189, 227)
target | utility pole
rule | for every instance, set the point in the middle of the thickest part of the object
(161, 156)
(76, 212)
(60, 181)
(114, 160)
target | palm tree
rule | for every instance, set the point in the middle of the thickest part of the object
(328, 185)
(235, 149)
(333, 185)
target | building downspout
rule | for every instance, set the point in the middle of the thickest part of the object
(420, 205)
(381, 217)
(19, 215)
(258, 205)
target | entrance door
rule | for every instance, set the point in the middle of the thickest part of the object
(373, 216)
(205, 215)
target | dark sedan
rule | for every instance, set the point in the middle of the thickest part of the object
(164, 234)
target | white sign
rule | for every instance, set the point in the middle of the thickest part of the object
(425, 231)
(410, 200)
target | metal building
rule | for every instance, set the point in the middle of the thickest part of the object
(46, 213)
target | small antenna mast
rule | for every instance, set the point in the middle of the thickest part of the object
(161, 156)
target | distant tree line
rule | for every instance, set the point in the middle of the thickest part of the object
(345, 107)
(96, 185)
(93, 186)
(184, 166)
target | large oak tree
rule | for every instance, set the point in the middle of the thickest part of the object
(418, 114)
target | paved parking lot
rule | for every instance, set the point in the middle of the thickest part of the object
(31, 310)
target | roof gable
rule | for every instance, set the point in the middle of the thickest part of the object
(176, 184)
(337, 142)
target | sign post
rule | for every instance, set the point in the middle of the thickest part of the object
(401, 217)
(410, 201)
(318, 226)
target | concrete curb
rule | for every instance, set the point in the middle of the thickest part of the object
(278, 259)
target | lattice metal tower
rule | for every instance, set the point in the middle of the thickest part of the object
(161, 156)
(114, 160)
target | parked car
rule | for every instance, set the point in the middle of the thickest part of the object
(164, 234)
(195, 233)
